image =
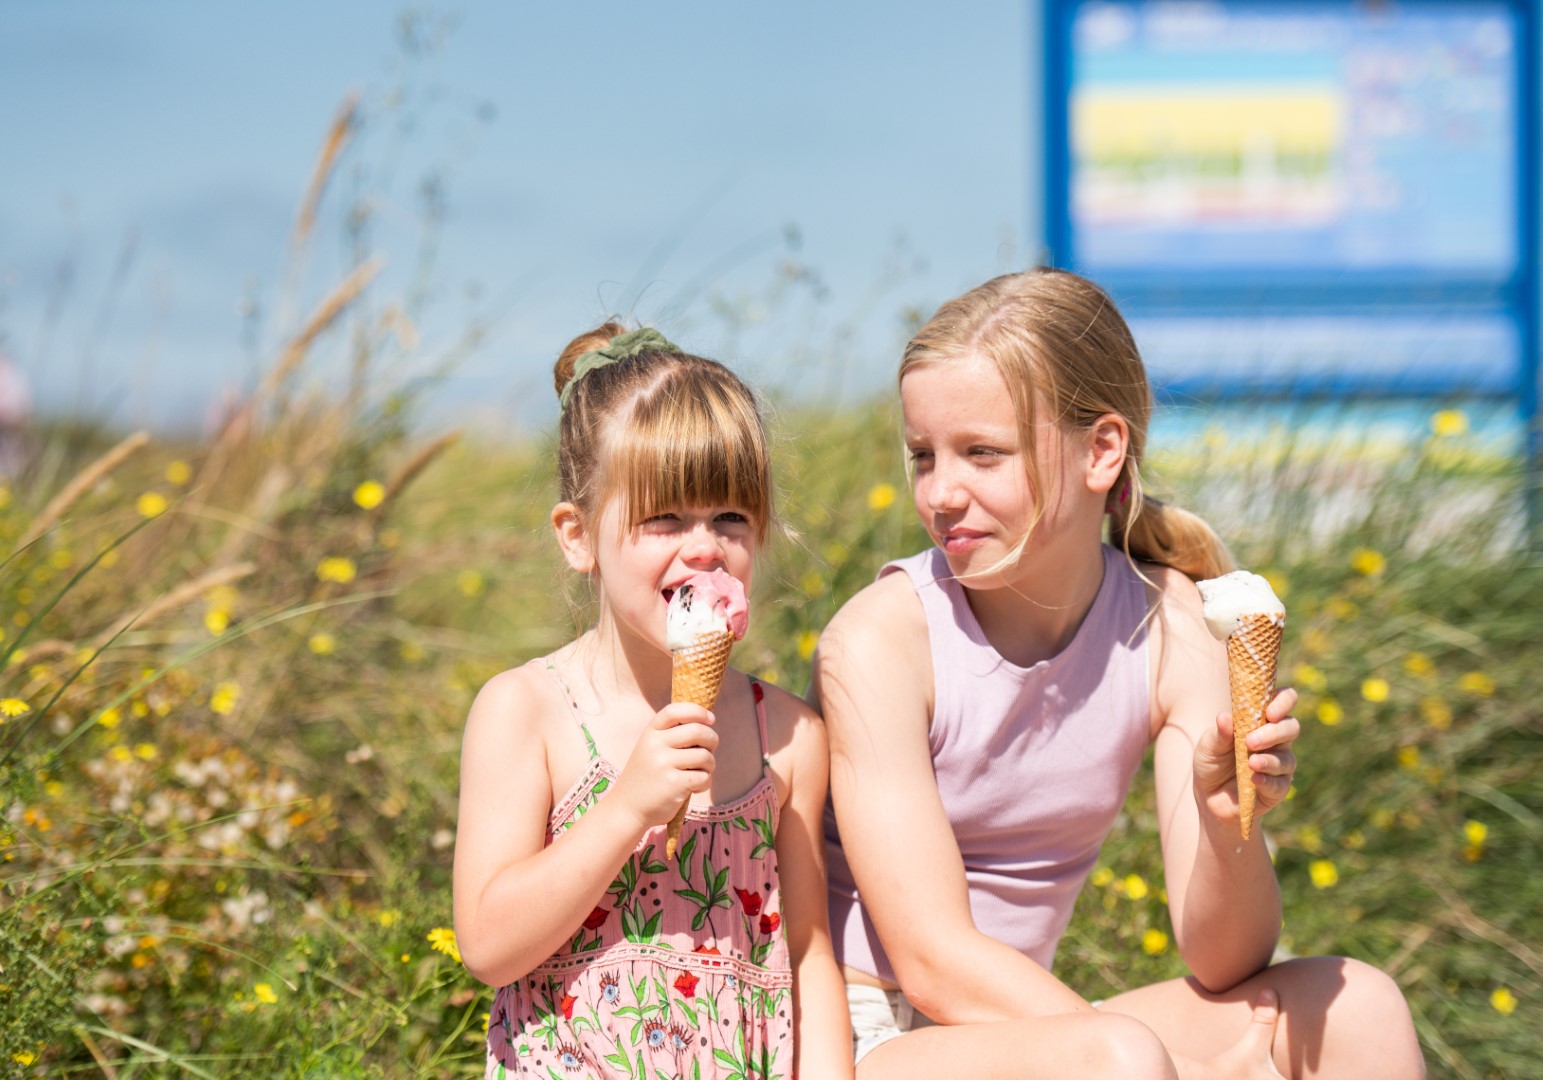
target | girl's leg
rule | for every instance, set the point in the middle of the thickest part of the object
(1089, 1046)
(1338, 1018)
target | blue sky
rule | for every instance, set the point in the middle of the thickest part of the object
(773, 185)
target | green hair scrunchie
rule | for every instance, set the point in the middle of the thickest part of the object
(621, 347)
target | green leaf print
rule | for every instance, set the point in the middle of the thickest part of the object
(729, 1061)
(650, 864)
(763, 829)
(554, 1074)
(619, 1059)
(625, 882)
(644, 931)
(683, 857)
(696, 1069)
(741, 824)
(688, 1012)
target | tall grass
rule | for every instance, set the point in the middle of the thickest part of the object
(228, 820)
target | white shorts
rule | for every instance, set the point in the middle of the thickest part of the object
(878, 1016)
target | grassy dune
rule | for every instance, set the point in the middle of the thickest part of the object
(234, 675)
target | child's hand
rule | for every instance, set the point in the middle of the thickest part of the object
(672, 759)
(1270, 754)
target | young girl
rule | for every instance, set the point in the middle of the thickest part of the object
(610, 959)
(988, 702)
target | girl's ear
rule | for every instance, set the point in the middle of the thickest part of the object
(568, 524)
(1108, 444)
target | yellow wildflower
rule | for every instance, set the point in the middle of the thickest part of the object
(1341, 608)
(1503, 1001)
(389, 917)
(1324, 873)
(1278, 582)
(12, 707)
(1476, 832)
(264, 993)
(1355, 840)
(1375, 689)
(1409, 757)
(1154, 942)
(337, 568)
(1449, 423)
(1417, 663)
(470, 583)
(122, 754)
(322, 644)
(1309, 677)
(1368, 562)
(27, 1057)
(61, 559)
(223, 700)
(1329, 712)
(145, 751)
(151, 504)
(835, 553)
(813, 583)
(881, 497)
(410, 651)
(808, 641)
(178, 472)
(1102, 877)
(5, 496)
(442, 938)
(1311, 838)
(1135, 887)
(369, 494)
(216, 621)
(1476, 682)
(1436, 712)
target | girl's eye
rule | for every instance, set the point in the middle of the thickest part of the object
(985, 452)
(920, 456)
(734, 517)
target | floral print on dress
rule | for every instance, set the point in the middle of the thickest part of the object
(682, 971)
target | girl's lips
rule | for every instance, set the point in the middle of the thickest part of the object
(958, 541)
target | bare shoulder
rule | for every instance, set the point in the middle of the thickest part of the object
(879, 622)
(510, 709)
(795, 734)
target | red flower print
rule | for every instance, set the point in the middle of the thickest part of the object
(769, 923)
(596, 918)
(750, 901)
(568, 1003)
(686, 984)
(706, 950)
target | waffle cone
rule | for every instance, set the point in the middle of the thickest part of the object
(696, 673)
(1253, 650)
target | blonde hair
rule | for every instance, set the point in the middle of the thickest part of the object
(659, 430)
(1056, 337)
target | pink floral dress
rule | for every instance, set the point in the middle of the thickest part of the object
(681, 972)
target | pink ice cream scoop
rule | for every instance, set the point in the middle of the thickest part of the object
(707, 603)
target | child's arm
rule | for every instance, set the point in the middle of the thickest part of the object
(874, 685)
(822, 1029)
(1222, 894)
(518, 899)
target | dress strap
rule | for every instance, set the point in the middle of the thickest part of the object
(759, 694)
(573, 708)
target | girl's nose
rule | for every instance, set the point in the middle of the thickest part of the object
(700, 545)
(944, 492)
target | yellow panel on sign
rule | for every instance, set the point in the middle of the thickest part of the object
(1216, 120)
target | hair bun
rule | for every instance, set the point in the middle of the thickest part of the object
(598, 338)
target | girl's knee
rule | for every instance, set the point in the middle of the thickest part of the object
(1122, 1046)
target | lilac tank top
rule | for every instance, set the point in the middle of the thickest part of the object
(1033, 764)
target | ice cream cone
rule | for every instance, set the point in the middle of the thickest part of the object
(696, 673)
(1253, 650)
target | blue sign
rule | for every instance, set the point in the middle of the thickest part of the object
(1302, 196)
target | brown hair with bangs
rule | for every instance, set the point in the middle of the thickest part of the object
(660, 430)
(1059, 341)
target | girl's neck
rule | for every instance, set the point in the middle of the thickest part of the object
(621, 664)
(1037, 612)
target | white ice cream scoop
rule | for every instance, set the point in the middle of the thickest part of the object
(1229, 599)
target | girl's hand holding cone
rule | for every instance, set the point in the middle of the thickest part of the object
(673, 758)
(1270, 755)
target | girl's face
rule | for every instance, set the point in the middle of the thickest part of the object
(639, 569)
(970, 473)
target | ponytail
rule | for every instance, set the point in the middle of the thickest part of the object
(1153, 531)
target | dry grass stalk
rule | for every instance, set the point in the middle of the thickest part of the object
(325, 314)
(409, 472)
(188, 590)
(337, 136)
(84, 481)
(259, 510)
